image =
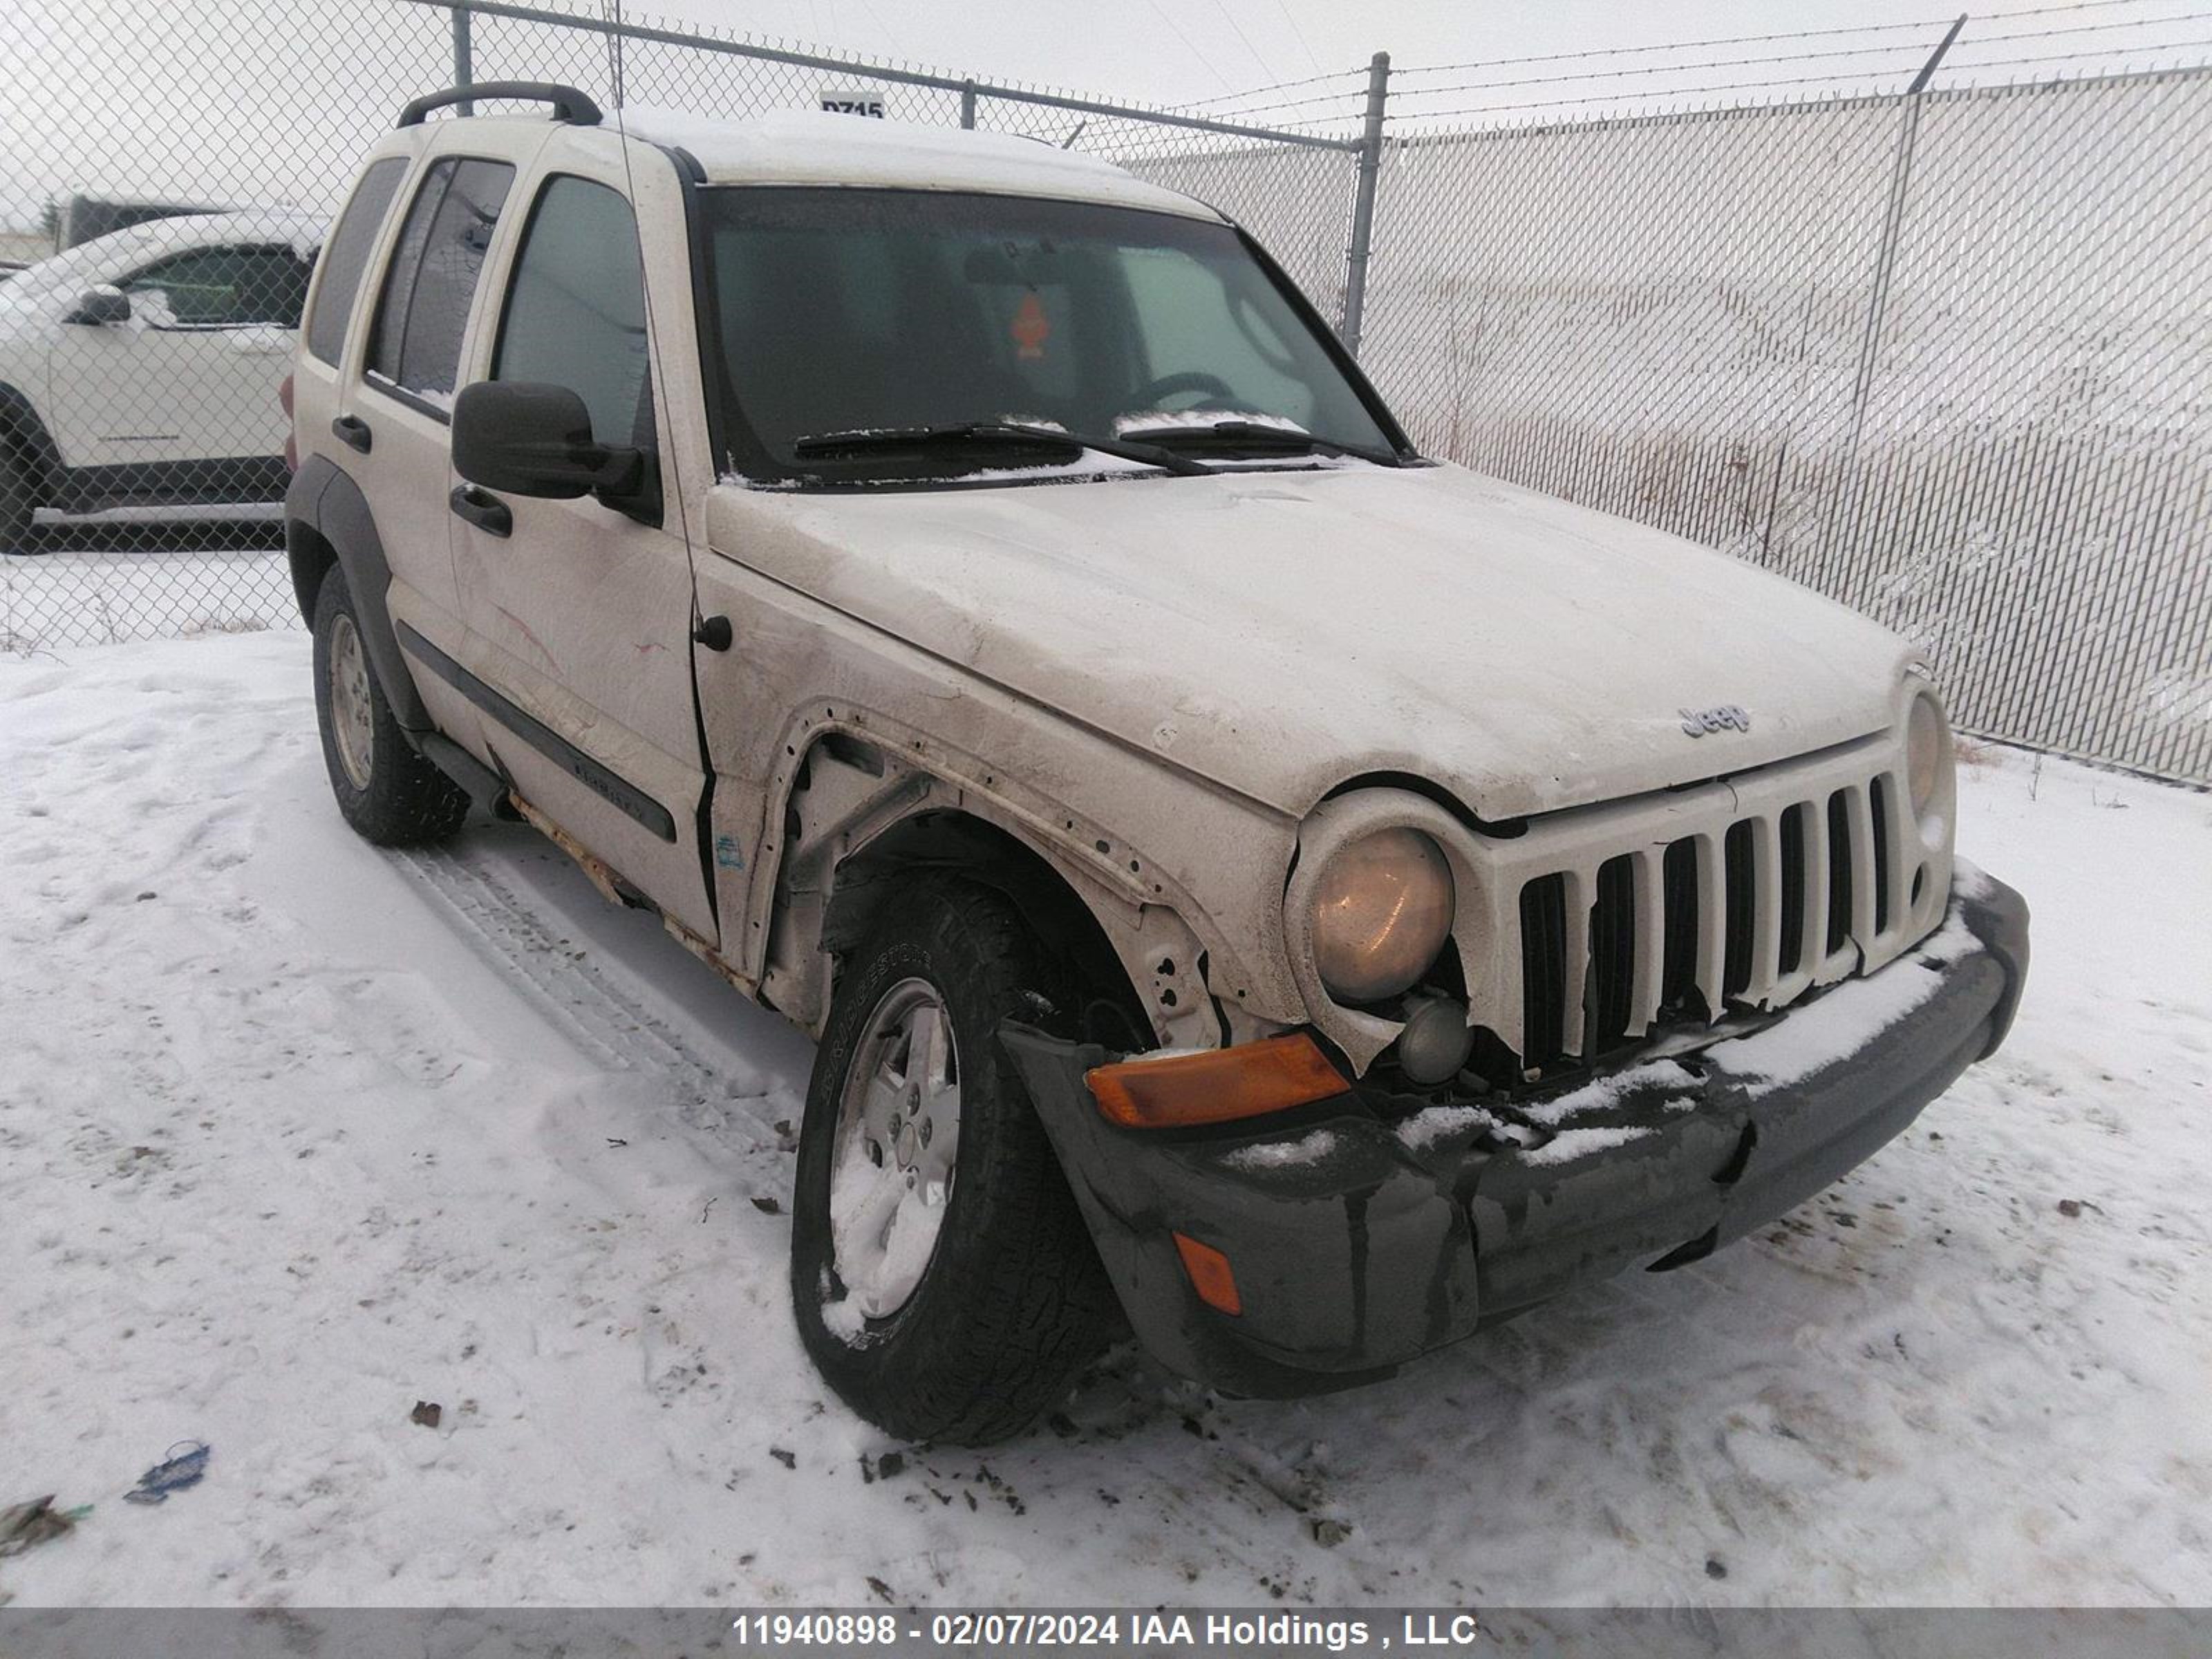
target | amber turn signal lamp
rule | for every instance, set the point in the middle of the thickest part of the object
(1218, 1085)
(1209, 1275)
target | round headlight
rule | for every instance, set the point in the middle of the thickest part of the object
(1383, 909)
(1924, 751)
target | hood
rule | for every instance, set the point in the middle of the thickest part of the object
(1283, 632)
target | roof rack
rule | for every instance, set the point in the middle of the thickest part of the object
(568, 104)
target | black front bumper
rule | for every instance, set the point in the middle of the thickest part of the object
(1361, 1236)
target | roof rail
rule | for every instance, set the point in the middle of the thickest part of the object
(568, 104)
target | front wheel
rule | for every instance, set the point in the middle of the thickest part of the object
(942, 1277)
(389, 793)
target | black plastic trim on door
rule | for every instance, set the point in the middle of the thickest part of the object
(610, 787)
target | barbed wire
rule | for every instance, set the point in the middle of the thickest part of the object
(1920, 26)
(1916, 47)
(1349, 94)
(1920, 49)
(1949, 66)
(1758, 87)
(1278, 86)
(1670, 45)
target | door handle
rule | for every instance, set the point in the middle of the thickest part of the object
(351, 431)
(487, 513)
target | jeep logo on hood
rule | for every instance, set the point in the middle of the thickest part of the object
(1727, 717)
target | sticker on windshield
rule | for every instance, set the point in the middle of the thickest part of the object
(1031, 326)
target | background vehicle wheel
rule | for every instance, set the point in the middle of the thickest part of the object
(943, 1279)
(389, 793)
(18, 500)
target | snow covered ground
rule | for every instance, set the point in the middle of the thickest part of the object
(105, 578)
(294, 1133)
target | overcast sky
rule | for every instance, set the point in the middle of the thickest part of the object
(1180, 50)
(271, 101)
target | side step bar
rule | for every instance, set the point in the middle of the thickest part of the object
(485, 786)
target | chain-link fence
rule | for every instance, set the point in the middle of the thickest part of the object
(1946, 357)
(1943, 356)
(141, 434)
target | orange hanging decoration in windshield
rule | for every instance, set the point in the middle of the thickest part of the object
(1031, 326)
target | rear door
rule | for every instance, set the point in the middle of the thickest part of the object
(580, 613)
(392, 417)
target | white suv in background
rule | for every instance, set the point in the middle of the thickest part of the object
(144, 367)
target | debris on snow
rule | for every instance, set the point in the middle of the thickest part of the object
(26, 1526)
(177, 1471)
(427, 1413)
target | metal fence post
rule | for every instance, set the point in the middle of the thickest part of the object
(1892, 227)
(968, 103)
(1362, 202)
(464, 57)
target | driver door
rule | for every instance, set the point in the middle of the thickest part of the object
(579, 614)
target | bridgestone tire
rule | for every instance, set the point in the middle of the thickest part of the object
(1013, 1302)
(18, 500)
(405, 801)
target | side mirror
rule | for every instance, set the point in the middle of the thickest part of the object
(533, 440)
(96, 308)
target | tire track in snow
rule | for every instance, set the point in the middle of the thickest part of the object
(1268, 1503)
(615, 1025)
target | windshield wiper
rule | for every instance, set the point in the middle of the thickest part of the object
(988, 434)
(1249, 438)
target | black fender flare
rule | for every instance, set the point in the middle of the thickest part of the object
(326, 519)
(23, 431)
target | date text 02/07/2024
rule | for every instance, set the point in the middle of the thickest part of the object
(991, 1630)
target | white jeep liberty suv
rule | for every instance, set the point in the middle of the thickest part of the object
(1246, 879)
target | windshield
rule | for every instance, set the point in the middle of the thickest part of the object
(927, 315)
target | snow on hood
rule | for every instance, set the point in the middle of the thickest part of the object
(1281, 633)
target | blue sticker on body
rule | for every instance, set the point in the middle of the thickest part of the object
(726, 854)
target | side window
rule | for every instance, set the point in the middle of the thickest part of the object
(345, 258)
(221, 287)
(416, 344)
(575, 311)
